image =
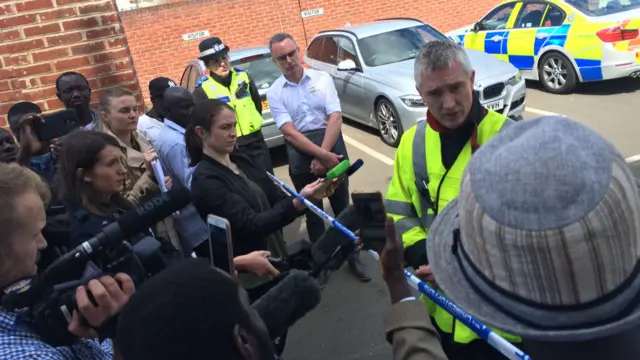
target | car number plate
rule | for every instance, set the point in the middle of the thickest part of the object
(494, 105)
(265, 104)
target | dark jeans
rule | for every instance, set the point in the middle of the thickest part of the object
(301, 176)
(254, 146)
(475, 350)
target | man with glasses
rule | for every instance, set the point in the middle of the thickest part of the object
(305, 106)
(234, 86)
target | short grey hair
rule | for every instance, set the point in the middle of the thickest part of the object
(280, 37)
(440, 54)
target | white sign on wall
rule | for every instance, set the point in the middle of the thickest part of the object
(310, 13)
(196, 35)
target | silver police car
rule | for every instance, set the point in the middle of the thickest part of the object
(372, 67)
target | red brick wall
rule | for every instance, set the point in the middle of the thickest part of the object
(158, 49)
(40, 39)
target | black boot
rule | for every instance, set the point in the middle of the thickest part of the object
(358, 269)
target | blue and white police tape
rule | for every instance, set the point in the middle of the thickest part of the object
(503, 346)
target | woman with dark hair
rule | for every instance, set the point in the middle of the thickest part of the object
(92, 179)
(233, 186)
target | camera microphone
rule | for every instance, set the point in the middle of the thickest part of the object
(128, 224)
(290, 300)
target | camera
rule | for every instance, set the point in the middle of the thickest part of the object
(50, 300)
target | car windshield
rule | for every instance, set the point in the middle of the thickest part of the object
(261, 69)
(604, 7)
(397, 45)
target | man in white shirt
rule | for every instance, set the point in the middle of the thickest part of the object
(150, 124)
(305, 106)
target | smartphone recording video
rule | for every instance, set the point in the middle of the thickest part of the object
(372, 217)
(220, 245)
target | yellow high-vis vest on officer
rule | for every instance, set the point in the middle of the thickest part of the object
(249, 119)
(419, 181)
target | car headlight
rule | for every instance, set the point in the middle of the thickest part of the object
(412, 100)
(515, 79)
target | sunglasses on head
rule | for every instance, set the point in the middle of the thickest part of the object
(290, 54)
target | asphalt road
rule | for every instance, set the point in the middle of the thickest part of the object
(348, 322)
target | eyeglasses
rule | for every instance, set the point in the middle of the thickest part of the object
(290, 54)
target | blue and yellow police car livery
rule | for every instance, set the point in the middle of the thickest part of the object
(561, 42)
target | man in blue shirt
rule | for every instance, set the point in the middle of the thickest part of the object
(23, 195)
(172, 152)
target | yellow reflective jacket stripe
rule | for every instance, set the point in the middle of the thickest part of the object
(249, 119)
(401, 198)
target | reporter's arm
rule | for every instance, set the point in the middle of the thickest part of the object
(211, 196)
(408, 326)
(256, 263)
(410, 332)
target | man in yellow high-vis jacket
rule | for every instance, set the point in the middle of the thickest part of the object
(233, 86)
(428, 167)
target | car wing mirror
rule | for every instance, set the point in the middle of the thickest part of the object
(347, 65)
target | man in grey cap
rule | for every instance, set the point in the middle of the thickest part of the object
(234, 86)
(553, 253)
(172, 151)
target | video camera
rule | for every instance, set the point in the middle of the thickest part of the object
(49, 298)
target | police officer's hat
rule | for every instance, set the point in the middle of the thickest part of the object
(212, 48)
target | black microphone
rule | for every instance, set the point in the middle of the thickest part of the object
(333, 248)
(129, 224)
(354, 167)
(287, 302)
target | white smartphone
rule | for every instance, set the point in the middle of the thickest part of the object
(220, 245)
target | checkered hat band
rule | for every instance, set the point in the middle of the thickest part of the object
(570, 265)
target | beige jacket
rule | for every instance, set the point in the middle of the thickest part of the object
(410, 331)
(139, 183)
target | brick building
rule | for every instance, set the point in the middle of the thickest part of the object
(40, 39)
(155, 32)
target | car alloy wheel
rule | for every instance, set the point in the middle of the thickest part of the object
(557, 74)
(388, 123)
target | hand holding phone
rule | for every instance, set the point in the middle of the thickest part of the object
(220, 244)
(56, 125)
(258, 263)
(372, 217)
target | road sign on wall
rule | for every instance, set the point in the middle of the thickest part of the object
(310, 13)
(196, 35)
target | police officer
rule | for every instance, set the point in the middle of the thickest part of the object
(428, 168)
(234, 86)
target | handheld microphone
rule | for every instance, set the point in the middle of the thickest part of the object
(354, 167)
(333, 248)
(129, 224)
(286, 303)
(337, 171)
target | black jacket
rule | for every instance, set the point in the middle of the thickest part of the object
(217, 190)
(83, 225)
